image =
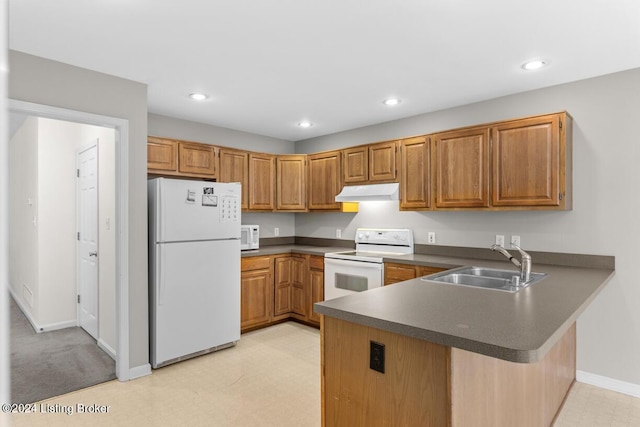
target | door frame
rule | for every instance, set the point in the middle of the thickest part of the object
(93, 144)
(121, 127)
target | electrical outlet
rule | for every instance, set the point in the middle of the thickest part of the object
(515, 240)
(500, 240)
(338, 233)
(276, 232)
(431, 238)
(376, 356)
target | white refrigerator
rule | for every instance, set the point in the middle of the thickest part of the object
(194, 268)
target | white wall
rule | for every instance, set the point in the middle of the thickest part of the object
(604, 219)
(53, 83)
(44, 156)
(23, 210)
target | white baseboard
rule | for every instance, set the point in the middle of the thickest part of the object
(35, 325)
(140, 371)
(107, 348)
(608, 383)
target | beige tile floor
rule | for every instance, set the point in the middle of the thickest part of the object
(271, 378)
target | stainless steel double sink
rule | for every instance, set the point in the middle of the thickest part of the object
(488, 278)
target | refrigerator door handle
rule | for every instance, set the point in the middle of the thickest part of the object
(160, 275)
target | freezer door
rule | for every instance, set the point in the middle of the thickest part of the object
(195, 298)
(184, 210)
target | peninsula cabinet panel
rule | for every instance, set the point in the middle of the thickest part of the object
(162, 155)
(324, 180)
(415, 171)
(382, 162)
(197, 159)
(261, 182)
(234, 167)
(461, 168)
(291, 183)
(356, 165)
(530, 162)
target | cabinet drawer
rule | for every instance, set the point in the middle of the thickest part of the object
(316, 262)
(425, 271)
(255, 263)
(400, 273)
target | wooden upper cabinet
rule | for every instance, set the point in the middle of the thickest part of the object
(324, 183)
(162, 155)
(382, 161)
(234, 167)
(261, 181)
(356, 164)
(291, 183)
(530, 162)
(198, 159)
(371, 163)
(415, 173)
(461, 168)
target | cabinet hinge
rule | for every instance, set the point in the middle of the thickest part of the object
(560, 196)
(78, 299)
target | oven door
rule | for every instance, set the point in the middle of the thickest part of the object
(344, 277)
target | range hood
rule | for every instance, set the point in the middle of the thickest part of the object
(371, 192)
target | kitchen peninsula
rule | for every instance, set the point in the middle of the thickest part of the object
(454, 355)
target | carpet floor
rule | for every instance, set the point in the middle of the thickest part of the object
(53, 363)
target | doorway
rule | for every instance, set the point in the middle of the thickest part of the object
(120, 220)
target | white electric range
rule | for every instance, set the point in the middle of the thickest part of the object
(348, 272)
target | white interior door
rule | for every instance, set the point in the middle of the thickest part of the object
(87, 247)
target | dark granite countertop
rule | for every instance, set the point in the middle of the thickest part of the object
(518, 327)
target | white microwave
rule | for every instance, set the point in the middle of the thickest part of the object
(249, 237)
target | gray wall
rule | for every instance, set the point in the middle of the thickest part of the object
(604, 219)
(170, 127)
(41, 81)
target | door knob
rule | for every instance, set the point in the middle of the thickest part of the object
(94, 253)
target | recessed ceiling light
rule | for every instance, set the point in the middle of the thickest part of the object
(305, 124)
(535, 64)
(391, 101)
(198, 96)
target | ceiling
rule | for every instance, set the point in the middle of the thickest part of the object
(267, 65)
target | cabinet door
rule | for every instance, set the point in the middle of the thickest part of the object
(394, 273)
(282, 286)
(382, 162)
(527, 160)
(197, 159)
(415, 173)
(356, 164)
(299, 285)
(291, 183)
(461, 163)
(324, 180)
(234, 167)
(316, 292)
(261, 181)
(162, 155)
(255, 295)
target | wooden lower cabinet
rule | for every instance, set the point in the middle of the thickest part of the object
(278, 287)
(394, 272)
(427, 384)
(256, 290)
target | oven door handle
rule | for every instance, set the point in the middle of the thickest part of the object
(349, 263)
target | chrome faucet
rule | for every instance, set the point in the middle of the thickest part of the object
(524, 265)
